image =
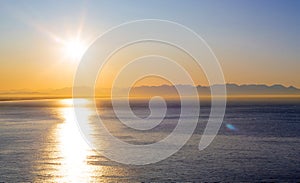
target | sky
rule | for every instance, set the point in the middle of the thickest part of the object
(255, 41)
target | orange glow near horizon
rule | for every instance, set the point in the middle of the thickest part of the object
(119, 61)
(54, 64)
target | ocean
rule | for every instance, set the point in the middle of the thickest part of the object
(259, 141)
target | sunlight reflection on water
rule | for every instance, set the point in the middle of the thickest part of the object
(72, 149)
(66, 156)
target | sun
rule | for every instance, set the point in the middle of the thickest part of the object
(74, 49)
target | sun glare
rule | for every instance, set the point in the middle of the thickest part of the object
(75, 49)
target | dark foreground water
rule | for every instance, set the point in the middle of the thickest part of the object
(258, 141)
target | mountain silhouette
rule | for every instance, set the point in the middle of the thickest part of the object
(232, 90)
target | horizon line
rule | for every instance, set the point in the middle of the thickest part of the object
(67, 87)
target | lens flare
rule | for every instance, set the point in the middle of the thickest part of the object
(231, 127)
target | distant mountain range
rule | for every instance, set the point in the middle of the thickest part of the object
(165, 90)
(232, 90)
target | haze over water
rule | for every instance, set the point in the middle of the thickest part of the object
(258, 141)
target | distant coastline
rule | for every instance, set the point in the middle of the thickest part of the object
(234, 91)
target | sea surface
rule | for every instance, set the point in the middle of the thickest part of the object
(259, 141)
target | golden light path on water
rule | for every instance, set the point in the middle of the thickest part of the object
(65, 155)
(73, 148)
